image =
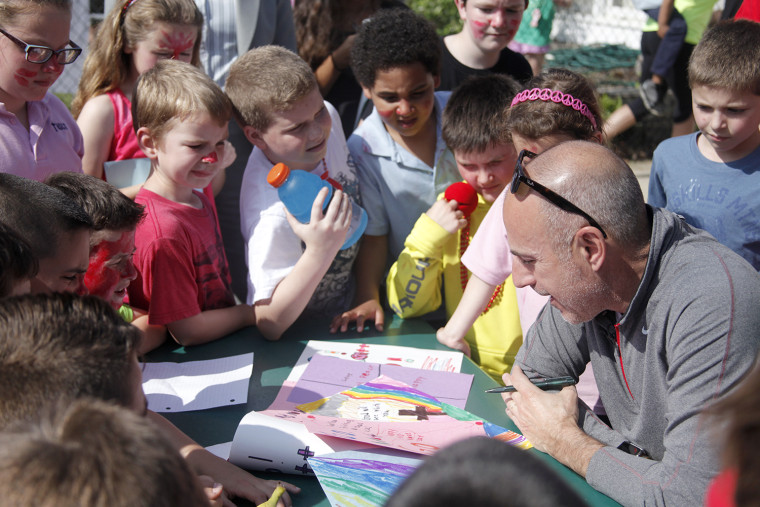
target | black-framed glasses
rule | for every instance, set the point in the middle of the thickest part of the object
(551, 195)
(41, 54)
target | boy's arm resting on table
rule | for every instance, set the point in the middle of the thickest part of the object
(323, 237)
(369, 267)
(153, 335)
(210, 325)
(96, 121)
(236, 481)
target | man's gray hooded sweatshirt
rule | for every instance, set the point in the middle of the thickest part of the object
(690, 334)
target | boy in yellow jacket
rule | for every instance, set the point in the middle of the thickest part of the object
(473, 127)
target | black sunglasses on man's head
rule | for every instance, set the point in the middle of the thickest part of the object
(551, 195)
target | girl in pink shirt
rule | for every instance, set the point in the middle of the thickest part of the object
(39, 135)
(556, 106)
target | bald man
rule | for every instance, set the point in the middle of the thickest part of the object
(666, 315)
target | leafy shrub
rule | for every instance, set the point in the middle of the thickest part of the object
(442, 13)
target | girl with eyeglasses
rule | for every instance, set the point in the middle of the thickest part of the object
(39, 136)
(131, 39)
(556, 106)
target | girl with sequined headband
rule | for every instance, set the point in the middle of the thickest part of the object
(558, 105)
(131, 39)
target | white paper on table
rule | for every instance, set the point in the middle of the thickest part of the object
(197, 385)
(220, 450)
(424, 359)
(271, 444)
(275, 442)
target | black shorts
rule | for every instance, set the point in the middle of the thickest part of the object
(677, 78)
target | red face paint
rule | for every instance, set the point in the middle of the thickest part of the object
(211, 158)
(22, 76)
(478, 28)
(178, 43)
(111, 269)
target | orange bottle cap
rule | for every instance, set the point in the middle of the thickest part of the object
(278, 174)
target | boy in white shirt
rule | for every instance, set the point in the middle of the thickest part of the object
(292, 266)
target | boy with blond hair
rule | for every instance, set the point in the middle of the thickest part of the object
(711, 177)
(292, 267)
(430, 265)
(183, 280)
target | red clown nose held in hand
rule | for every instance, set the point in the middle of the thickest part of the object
(465, 196)
(211, 158)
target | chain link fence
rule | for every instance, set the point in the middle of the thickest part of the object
(66, 85)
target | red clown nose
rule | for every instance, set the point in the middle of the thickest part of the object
(465, 196)
(210, 158)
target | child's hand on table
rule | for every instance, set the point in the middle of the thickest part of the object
(454, 342)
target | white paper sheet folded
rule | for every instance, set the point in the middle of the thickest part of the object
(197, 385)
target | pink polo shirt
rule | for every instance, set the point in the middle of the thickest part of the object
(52, 144)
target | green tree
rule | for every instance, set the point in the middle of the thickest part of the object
(442, 13)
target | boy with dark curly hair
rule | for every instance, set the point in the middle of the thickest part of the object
(401, 158)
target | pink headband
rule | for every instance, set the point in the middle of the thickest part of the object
(546, 95)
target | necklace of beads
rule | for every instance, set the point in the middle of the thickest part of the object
(464, 242)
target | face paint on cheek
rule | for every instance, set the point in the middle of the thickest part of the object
(386, 114)
(478, 28)
(102, 279)
(99, 278)
(178, 43)
(22, 76)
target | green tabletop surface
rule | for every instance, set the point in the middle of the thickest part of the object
(272, 363)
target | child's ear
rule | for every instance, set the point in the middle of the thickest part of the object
(254, 137)
(461, 9)
(367, 92)
(436, 81)
(597, 137)
(148, 144)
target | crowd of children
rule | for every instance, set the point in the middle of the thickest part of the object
(151, 257)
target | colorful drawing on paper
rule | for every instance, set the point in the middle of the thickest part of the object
(327, 375)
(383, 399)
(360, 479)
(390, 413)
(424, 359)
